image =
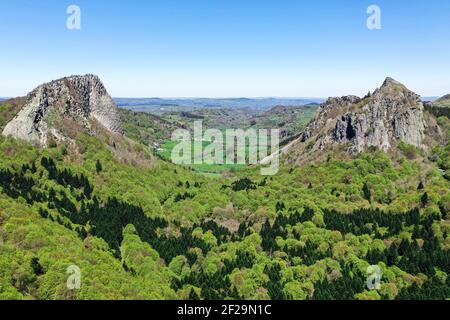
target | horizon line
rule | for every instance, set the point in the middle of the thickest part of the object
(230, 97)
(222, 97)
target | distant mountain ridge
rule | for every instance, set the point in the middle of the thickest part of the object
(261, 103)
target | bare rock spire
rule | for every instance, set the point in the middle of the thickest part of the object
(390, 115)
(82, 99)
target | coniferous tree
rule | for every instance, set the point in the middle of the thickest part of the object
(98, 167)
(424, 199)
(193, 296)
(367, 193)
(36, 266)
(33, 167)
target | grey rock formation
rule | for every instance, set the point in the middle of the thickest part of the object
(81, 98)
(391, 114)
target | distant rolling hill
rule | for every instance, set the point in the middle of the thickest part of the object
(292, 120)
(146, 128)
(146, 104)
(439, 107)
(443, 101)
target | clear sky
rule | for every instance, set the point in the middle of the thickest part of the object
(227, 48)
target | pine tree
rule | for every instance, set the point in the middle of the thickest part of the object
(235, 294)
(98, 167)
(280, 206)
(193, 296)
(367, 193)
(425, 199)
(33, 167)
(44, 162)
(36, 266)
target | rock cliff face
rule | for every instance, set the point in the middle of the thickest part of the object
(390, 115)
(78, 98)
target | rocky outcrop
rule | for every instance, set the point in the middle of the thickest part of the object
(390, 115)
(80, 98)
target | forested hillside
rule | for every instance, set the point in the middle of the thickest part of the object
(146, 128)
(164, 232)
(440, 107)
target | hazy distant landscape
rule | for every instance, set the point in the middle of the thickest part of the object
(156, 105)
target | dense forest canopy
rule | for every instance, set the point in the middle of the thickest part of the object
(166, 232)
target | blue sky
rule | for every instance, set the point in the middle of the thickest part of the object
(227, 48)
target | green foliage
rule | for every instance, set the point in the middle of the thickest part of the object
(164, 232)
(145, 127)
(439, 109)
(8, 110)
(367, 193)
(410, 151)
(98, 167)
